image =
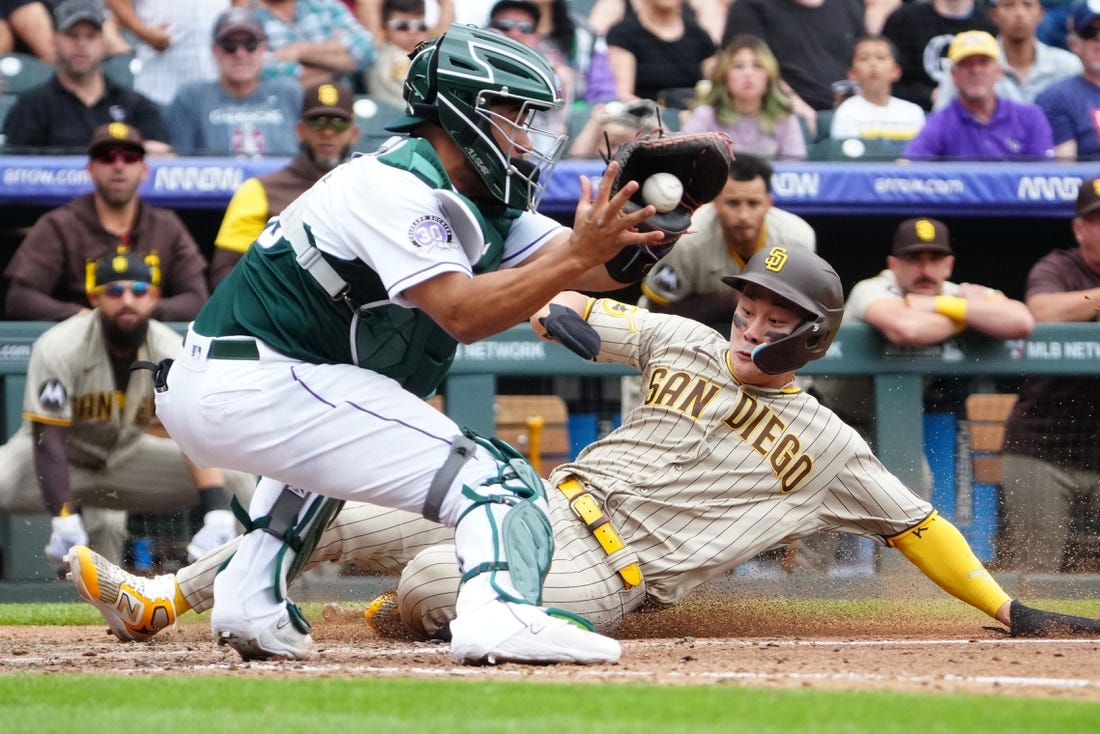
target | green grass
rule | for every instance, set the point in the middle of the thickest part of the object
(66, 704)
(222, 702)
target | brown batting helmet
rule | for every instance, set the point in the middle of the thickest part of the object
(808, 282)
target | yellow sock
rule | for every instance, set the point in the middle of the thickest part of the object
(937, 548)
(180, 601)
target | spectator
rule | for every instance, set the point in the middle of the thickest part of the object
(1051, 455)
(26, 26)
(611, 124)
(709, 14)
(84, 452)
(913, 304)
(813, 40)
(172, 43)
(977, 124)
(873, 112)
(1072, 104)
(519, 20)
(724, 234)
(240, 114)
(922, 32)
(314, 41)
(745, 101)
(63, 112)
(403, 27)
(438, 13)
(1030, 65)
(658, 54)
(48, 274)
(326, 131)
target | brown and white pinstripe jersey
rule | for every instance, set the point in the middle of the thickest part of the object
(70, 382)
(707, 472)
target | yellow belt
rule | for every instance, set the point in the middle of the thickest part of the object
(585, 507)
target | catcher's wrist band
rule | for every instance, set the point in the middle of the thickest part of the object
(585, 507)
(953, 308)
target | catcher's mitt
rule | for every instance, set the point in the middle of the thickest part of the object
(701, 161)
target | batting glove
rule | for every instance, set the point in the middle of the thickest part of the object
(218, 528)
(67, 532)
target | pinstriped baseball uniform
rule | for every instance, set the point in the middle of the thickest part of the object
(704, 475)
(113, 462)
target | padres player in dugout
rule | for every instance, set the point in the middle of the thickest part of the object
(84, 452)
(724, 458)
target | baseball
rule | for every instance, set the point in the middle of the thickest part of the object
(663, 191)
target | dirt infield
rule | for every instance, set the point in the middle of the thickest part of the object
(704, 642)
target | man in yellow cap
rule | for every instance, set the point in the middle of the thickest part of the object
(978, 124)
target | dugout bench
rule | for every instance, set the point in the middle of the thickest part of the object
(1053, 349)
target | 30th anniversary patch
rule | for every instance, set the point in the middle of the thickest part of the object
(430, 231)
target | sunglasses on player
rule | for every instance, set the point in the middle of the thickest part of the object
(110, 155)
(504, 25)
(138, 288)
(230, 46)
(401, 24)
(339, 124)
(1089, 32)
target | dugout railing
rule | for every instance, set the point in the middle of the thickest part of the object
(897, 375)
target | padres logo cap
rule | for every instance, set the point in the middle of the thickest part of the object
(922, 234)
(331, 99)
(122, 266)
(116, 135)
(1088, 197)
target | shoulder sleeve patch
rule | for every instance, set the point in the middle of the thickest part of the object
(52, 395)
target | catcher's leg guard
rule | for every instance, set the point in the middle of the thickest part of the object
(298, 519)
(505, 532)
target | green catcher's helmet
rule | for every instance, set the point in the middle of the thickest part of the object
(457, 78)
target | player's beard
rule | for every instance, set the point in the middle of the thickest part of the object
(325, 164)
(124, 338)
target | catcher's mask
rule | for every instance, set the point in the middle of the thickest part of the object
(808, 282)
(458, 78)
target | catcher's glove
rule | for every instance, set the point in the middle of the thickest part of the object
(701, 161)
